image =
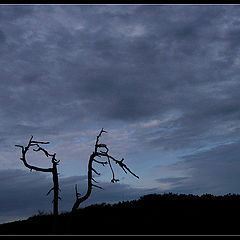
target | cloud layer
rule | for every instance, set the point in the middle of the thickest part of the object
(65, 67)
(162, 79)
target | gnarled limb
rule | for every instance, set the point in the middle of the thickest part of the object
(23, 158)
(101, 150)
(53, 169)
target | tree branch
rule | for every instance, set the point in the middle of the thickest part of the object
(40, 142)
(76, 192)
(98, 136)
(113, 177)
(97, 186)
(99, 162)
(50, 191)
(41, 149)
(95, 171)
(120, 163)
(24, 151)
(94, 180)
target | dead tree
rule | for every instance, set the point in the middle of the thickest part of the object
(53, 169)
(101, 150)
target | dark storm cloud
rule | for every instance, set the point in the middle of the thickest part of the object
(23, 193)
(114, 62)
(2, 37)
(8, 12)
(214, 171)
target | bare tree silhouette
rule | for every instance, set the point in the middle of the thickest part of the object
(101, 150)
(53, 169)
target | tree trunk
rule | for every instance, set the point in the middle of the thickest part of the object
(89, 190)
(55, 190)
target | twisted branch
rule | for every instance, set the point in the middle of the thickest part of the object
(99, 152)
(53, 169)
(24, 151)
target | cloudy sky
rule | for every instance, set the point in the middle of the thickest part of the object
(163, 80)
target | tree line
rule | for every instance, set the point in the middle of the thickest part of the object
(155, 214)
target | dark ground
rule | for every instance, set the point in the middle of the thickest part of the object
(151, 214)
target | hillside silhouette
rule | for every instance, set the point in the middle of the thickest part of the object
(150, 214)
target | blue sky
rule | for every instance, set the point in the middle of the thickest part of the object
(163, 80)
